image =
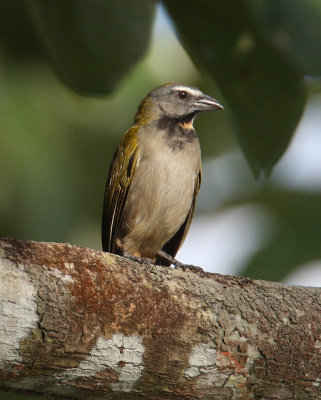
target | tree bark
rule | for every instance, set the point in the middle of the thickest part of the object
(79, 324)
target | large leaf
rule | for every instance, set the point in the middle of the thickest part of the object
(265, 92)
(92, 44)
(294, 26)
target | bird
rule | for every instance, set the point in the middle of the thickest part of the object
(155, 176)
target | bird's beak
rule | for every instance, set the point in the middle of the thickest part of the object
(207, 103)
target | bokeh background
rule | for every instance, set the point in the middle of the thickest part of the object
(72, 75)
(63, 111)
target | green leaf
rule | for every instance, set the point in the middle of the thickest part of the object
(265, 92)
(294, 26)
(17, 36)
(295, 238)
(92, 44)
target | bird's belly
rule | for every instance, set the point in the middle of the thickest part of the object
(158, 203)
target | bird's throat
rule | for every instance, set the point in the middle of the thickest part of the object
(187, 120)
(187, 124)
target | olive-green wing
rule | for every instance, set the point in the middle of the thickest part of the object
(174, 244)
(119, 178)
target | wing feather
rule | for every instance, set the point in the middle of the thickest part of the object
(120, 175)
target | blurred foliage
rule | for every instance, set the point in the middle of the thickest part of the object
(18, 37)
(56, 146)
(295, 236)
(293, 26)
(257, 81)
(92, 44)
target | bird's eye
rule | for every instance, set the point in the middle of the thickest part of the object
(182, 94)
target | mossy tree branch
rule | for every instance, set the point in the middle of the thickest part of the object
(76, 323)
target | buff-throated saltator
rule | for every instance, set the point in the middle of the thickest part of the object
(155, 176)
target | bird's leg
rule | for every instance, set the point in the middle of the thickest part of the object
(169, 258)
(141, 260)
(178, 264)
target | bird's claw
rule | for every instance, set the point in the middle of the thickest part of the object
(141, 260)
(184, 267)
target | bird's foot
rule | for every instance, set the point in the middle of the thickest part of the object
(178, 264)
(185, 267)
(141, 260)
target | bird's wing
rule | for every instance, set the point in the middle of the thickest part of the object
(119, 178)
(173, 245)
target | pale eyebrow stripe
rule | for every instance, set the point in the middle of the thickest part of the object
(187, 89)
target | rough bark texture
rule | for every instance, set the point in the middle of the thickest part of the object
(81, 324)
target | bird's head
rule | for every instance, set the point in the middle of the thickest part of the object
(174, 101)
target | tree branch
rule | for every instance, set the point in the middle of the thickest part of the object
(76, 323)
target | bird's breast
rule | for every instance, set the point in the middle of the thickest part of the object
(165, 176)
(176, 149)
(162, 189)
